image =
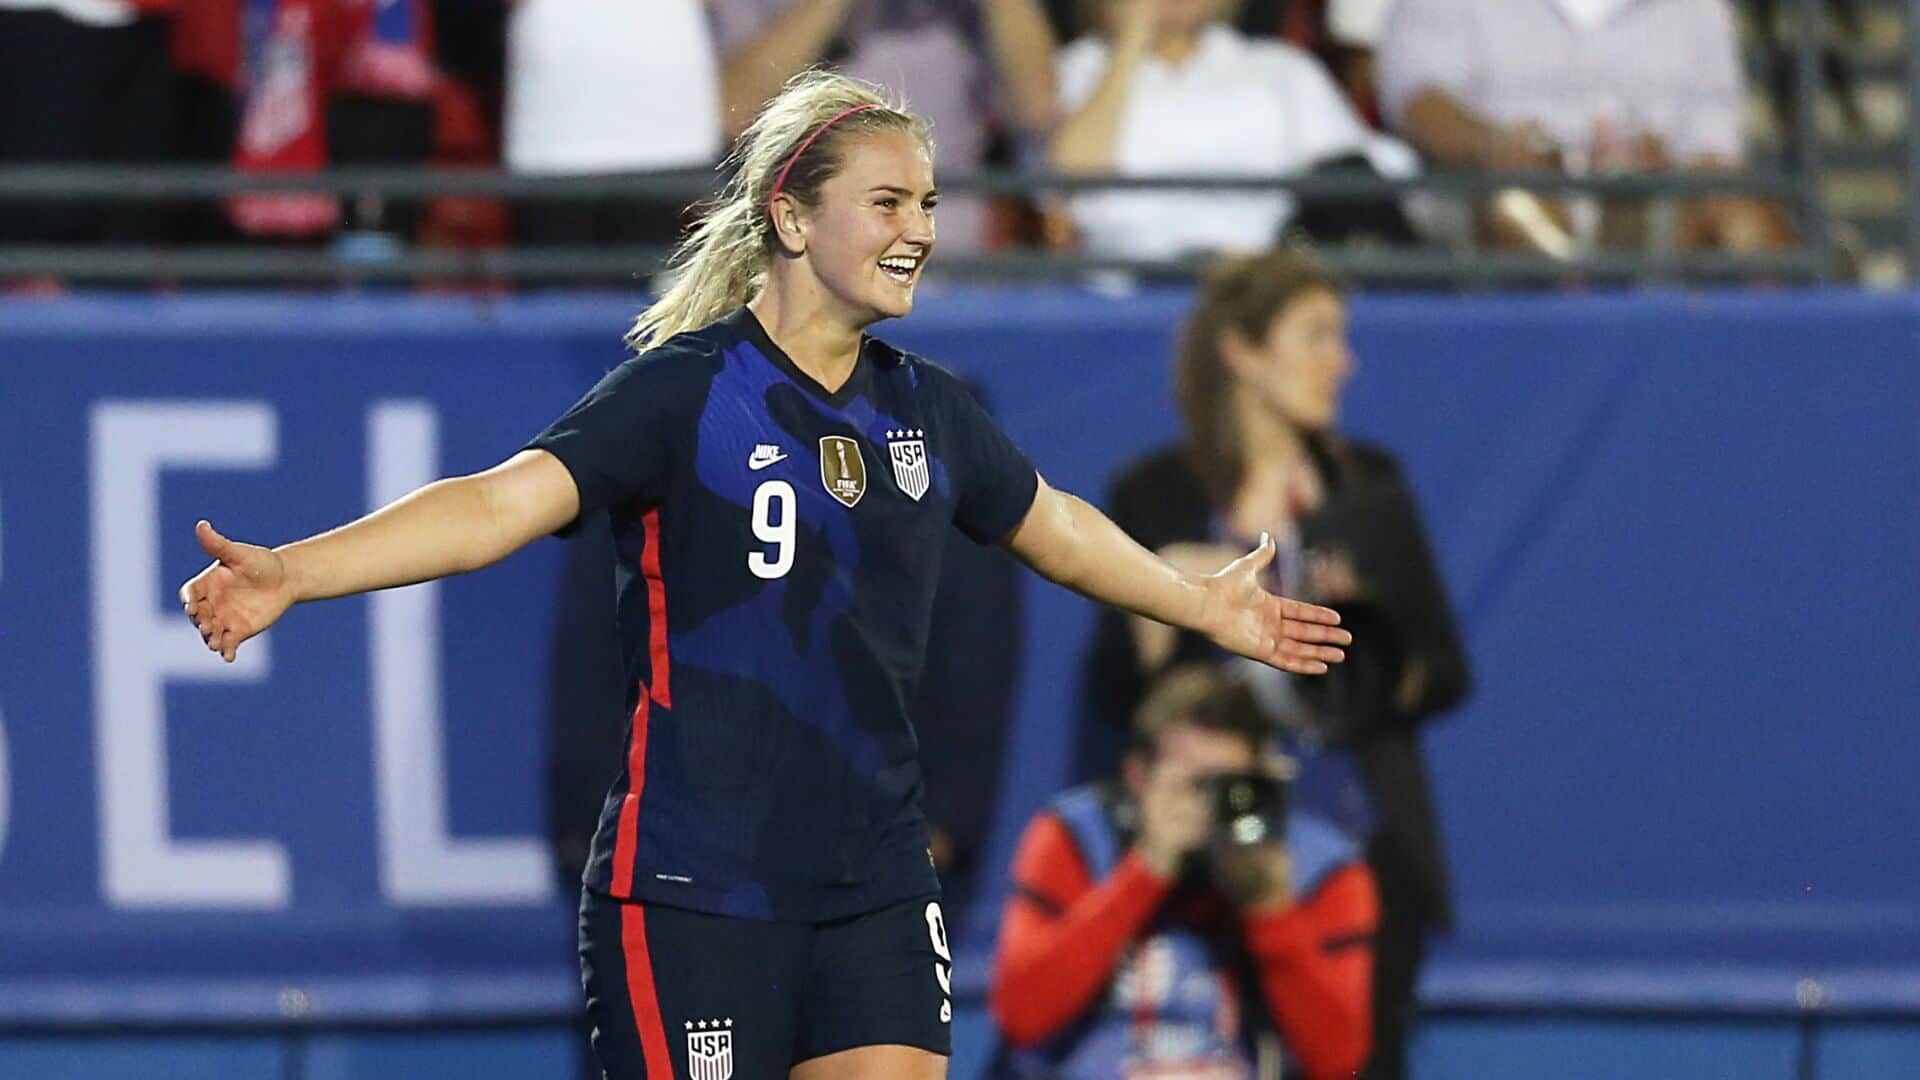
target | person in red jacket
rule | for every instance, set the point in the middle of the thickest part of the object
(1141, 940)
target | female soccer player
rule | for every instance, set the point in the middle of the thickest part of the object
(760, 901)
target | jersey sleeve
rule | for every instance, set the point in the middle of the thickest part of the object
(995, 483)
(616, 441)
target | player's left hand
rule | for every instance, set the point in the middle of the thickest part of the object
(1243, 617)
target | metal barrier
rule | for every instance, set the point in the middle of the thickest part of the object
(1381, 265)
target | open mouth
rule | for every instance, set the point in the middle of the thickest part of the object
(900, 268)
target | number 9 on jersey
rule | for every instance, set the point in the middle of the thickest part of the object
(778, 533)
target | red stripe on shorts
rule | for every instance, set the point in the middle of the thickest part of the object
(641, 992)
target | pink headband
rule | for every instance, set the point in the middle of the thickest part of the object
(781, 181)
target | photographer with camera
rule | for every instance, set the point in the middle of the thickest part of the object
(1181, 922)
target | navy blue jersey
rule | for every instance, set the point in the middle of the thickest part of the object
(778, 551)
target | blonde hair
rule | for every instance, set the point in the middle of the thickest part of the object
(723, 262)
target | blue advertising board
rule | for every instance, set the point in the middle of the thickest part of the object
(1681, 534)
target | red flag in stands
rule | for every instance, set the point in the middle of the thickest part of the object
(282, 126)
(295, 54)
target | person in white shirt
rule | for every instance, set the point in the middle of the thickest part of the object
(973, 68)
(85, 82)
(1171, 88)
(1353, 29)
(600, 87)
(1578, 85)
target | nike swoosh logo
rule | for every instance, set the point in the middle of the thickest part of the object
(756, 462)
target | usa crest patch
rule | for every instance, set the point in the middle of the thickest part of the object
(710, 1049)
(908, 450)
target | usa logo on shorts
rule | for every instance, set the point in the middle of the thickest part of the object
(710, 1049)
(908, 449)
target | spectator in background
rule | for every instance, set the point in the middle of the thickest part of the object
(1344, 34)
(339, 83)
(1262, 362)
(1579, 86)
(604, 87)
(469, 53)
(84, 82)
(325, 83)
(300, 86)
(1172, 88)
(206, 49)
(1146, 936)
(965, 65)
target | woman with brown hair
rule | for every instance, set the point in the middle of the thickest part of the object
(1262, 362)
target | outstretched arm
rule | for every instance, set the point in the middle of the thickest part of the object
(1069, 542)
(447, 527)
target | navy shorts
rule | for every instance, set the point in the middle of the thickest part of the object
(684, 994)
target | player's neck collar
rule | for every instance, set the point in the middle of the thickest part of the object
(747, 325)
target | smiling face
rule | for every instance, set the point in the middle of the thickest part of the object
(869, 234)
(1301, 367)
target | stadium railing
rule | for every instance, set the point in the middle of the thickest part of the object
(1453, 264)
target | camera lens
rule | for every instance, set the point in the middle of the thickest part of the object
(1248, 829)
(1248, 808)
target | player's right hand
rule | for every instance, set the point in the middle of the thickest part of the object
(241, 594)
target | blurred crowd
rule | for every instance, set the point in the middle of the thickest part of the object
(1135, 88)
